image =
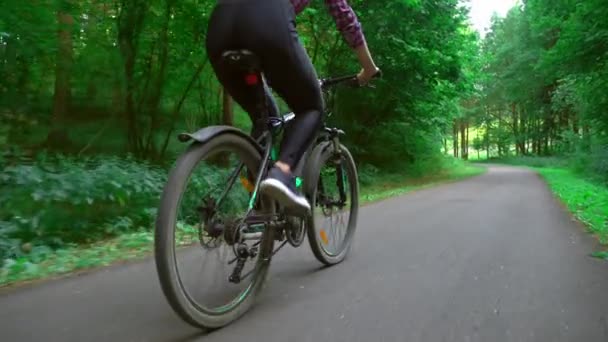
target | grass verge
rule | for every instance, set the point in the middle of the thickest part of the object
(137, 245)
(394, 185)
(586, 200)
(77, 258)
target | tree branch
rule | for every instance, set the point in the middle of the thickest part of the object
(178, 106)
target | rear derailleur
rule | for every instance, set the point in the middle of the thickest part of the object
(252, 228)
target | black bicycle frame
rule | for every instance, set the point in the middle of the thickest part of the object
(267, 137)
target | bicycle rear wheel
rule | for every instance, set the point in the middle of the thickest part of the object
(201, 221)
(333, 190)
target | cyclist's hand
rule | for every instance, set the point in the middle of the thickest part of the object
(366, 75)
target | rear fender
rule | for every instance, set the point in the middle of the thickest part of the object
(203, 135)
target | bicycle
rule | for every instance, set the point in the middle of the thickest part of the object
(249, 240)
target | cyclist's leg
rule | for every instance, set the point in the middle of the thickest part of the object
(291, 73)
(222, 35)
(268, 29)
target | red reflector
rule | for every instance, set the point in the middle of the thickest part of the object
(251, 79)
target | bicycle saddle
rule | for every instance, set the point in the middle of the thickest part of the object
(244, 60)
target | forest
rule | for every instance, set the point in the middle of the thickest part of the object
(541, 86)
(93, 94)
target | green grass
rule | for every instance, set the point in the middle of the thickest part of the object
(76, 258)
(395, 185)
(532, 161)
(129, 246)
(587, 200)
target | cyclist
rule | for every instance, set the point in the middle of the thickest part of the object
(268, 29)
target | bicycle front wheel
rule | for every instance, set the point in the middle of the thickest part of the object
(333, 190)
(209, 273)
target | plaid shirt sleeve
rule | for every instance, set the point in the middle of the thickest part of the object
(346, 21)
(298, 5)
(344, 16)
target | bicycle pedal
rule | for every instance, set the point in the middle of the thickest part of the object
(296, 212)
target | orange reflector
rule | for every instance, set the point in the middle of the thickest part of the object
(247, 184)
(324, 236)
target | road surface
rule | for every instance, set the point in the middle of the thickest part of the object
(493, 258)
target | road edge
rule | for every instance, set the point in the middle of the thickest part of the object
(144, 256)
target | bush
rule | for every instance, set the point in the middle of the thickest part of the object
(59, 201)
(51, 202)
(368, 174)
(599, 162)
(591, 161)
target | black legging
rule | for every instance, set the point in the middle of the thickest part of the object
(268, 29)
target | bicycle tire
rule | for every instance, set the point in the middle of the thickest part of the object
(320, 155)
(165, 250)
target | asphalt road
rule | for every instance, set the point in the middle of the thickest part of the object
(493, 258)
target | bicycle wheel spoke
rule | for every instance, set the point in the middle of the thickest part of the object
(337, 203)
(210, 212)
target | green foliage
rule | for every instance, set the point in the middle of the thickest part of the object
(478, 143)
(138, 71)
(422, 48)
(74, 258)
(51, 203)
(600, 255)
(587, 200)
(593, 164)
(395, 184)
(367, 174)
(533, 161)
(119, 78)
(41, 261)
(545, 82)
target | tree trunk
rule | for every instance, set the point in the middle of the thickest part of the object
(455, 138)
(117, 96)
(223, 159)
(228, 109)
(500, 134)
(9, 72)
(178, 108)
(546, 134)
(586, 137)
(488, 143)
(158, 83)
(535, 136)
(523, 131)
(130, 22)
(467, 140)
(487, 136)
(463, 140)
(575, 130)
(58, 136)
(515, 127)
(444, 141)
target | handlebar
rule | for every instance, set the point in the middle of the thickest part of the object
(350, 80)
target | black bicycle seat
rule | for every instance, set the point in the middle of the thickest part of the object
(242, 59)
